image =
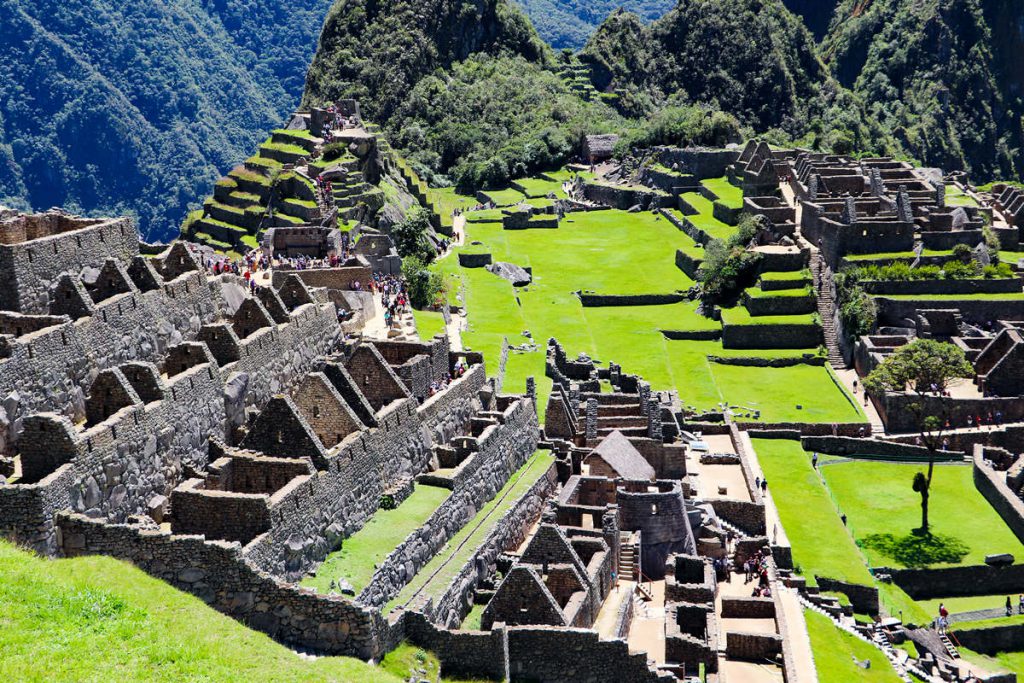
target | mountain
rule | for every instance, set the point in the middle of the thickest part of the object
(753, 59)
(466, 89)
(115, 107)
(570, 23)
(943, 76)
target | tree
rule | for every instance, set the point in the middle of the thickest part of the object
(923, 366)
(426, 287)
(410, 235)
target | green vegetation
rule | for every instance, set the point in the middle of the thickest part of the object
(176, 93)
(569, 23)
(1009, 662)
(989, 623)
(957, 297)
(967, 604)
(727, 193)
(443, 566)
(91, 618)
(822, 546)
(952, 270)
(362, 552)
(835, 652)
(883, 510)
(428, 323)
(740, 316)
(408, 662)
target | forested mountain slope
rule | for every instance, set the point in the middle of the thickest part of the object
(943, 76)
(570, 23)
(116, 107)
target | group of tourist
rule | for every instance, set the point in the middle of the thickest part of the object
(393, 295)
(324, 190)
(246, 267)
(337, 121)
(756, 569)
(303, 262)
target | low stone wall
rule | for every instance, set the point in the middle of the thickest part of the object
(754, 647)
(561, 655)
(948, 582)
(469, 654)
(467, 260)
(693, 335)
(452, 606)
(994, 639)
(996, 286)
(598, 300)
(342, 278)
(770, 336)
(946, 240)
(734, 607)
(761, 362)
(216, 572)
(688, 264)
(863, 598)
(795, 430)
(749, 517)
(894, 311)
(992, 485)
(894, 411)
(625, 198)
(779, 305)
(503, 450)
(849, 446)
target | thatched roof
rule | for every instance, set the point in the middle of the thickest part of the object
(623, 457)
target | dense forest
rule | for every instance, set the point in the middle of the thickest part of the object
(137, 107)
(570, 23)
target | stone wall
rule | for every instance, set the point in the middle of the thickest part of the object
(994, 639)
(863, 598)
(992, 485)
(455, 602)
(948, 582)
(310, 521)
(851, 446)
(447, 414)
(909, 287)
(503, 449)
(894, 311)
(216, 572)
(469, 654)
(893, 409)
(784, 336)
(598, 300)
(702, 163)
(557, 655)
(343, 278)
(754, 647)
(29, 269)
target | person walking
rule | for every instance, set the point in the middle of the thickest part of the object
(814, 461)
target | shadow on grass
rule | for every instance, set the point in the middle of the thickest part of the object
(916, 550)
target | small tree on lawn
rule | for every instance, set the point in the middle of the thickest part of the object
(923, 366)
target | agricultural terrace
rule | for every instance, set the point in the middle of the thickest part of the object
(621, 253)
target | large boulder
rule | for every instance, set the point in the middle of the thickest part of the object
(517, 275)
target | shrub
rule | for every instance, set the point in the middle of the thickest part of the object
(410, 235)
(963, 253)
(426, 287)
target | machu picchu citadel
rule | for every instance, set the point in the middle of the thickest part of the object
(692, 351)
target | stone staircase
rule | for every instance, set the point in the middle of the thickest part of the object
(875, 636)
(627, 561)
(826, 310)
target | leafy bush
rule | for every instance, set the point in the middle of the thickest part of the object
(425, 287)
(857, 309)
(410, 236)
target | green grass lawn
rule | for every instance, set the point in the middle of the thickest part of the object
(878, 499)
(472, 620)
(449, 561)
(756, 293)
(705, 219)
(777, 392)
(988, 623)
(968, 604)
(606, 246)
(540, 187)
(506, 197)
(1004, 662)
(428, 323)
(821, 544)
(957, 197)
(786, 276)
(362, 552)
(835, 650)
(99, 619)
(727, 193)
(408, 662)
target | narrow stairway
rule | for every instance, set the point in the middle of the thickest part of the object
(826, 308)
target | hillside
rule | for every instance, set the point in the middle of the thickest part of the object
(570, 23)
(944, 76)
(109, 107)
(96, 618)
(751, 58)
(468, 91)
